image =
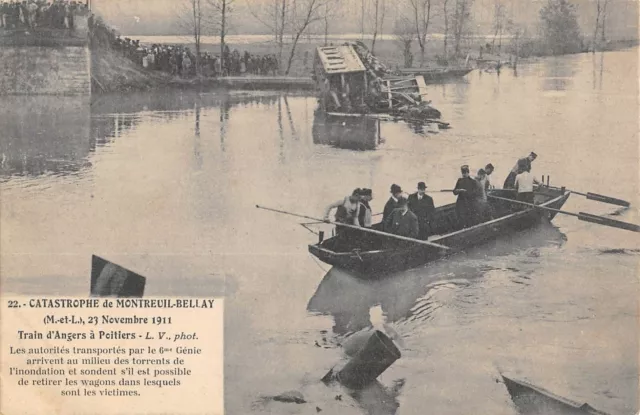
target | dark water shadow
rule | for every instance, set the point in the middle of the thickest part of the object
(350, 133)
(348, 298)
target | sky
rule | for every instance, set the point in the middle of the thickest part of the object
(155, 17)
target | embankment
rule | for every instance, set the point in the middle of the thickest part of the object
(111, 72)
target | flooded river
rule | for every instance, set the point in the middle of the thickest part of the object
(166, 185)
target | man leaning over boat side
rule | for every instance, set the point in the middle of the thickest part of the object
(487, 182)
(402, 221)
(422, 206)
(392, 203)
(347, 211)
(520, 166)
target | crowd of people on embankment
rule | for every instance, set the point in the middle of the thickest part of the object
(180, 60)
(32, 14)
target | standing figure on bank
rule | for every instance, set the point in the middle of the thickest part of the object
(392, 203)
(520, 166)
(467, 190)
(347, 211)
(364, 216)
(422, 206)
(402, 221)
(524, 185)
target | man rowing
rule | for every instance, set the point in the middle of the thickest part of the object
(422, 206)
(524, 185)
(347, 210)
(520, 166)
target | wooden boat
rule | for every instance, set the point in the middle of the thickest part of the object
(372, 255)
(533, 400)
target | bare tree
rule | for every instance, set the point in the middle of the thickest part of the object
(461, 16)
(304, 13)
(499, 19)
(378, 20)
(445, 14)
(421, 15)
(191, 18)
(274, 16)
(221, 11)
(403, 30)
(601, 15)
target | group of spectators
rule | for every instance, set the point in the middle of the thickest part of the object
(181, 60)
(32, 14)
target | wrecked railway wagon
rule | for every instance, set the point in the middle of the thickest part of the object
(351, 80)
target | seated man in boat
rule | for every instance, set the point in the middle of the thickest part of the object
(467, 190)
(520, 166)
(524, 185)
(347, 211)
(402, 221)
(422, 206)
(365, 216)
(392, 203)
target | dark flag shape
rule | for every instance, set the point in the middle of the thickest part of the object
(111, 280)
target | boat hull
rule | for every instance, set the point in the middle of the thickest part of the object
(406, 255)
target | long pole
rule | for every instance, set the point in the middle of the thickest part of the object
(586, 217)
(368, 230)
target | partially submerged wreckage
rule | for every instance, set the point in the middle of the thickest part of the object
(352, 81)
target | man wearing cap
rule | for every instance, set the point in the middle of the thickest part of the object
(365, 216)
(402, 221)
(522, 165)
(422, 206)
(467, 190)
(392, 203)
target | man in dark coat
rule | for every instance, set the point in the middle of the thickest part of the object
(422, 206)
(522, 165)
(392, 203)
(402, 221)
(467, 190)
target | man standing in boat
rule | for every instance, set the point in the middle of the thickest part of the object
(467, 190)
(520, 166)
(347, 211)
(487, 182)
(402, 221)
(422, 206)
(392, 203)
(365, 216)
(524, 185)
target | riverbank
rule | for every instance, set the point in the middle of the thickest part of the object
(111, 73)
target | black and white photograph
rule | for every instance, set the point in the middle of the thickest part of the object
(408, 206)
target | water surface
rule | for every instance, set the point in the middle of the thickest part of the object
(166, 184)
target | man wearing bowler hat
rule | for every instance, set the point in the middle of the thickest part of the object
(392, 203)
(422, 206)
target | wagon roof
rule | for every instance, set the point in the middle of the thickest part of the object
(340, 59)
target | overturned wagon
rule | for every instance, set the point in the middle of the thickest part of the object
(348, 83)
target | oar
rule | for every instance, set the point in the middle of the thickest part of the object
(388, 235)
(587, 217)
(602, 198)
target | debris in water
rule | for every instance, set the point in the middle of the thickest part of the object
(290, 397)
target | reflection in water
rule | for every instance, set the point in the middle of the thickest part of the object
(558, 75)
(43, 135)
(411, 297)
(351, 133)
(377, 399)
